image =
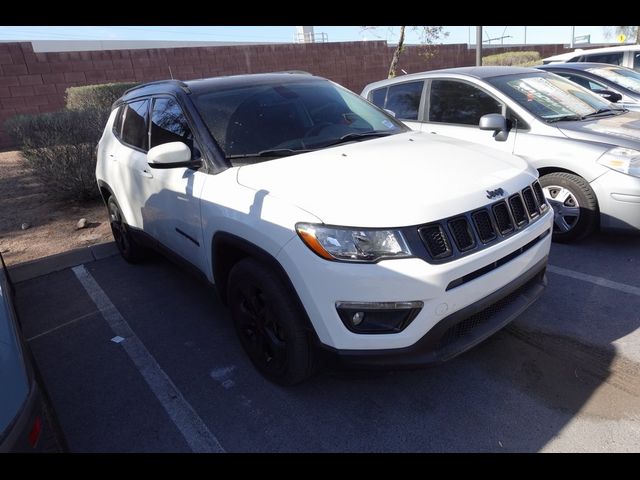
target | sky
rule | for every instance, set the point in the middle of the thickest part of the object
(457, 34)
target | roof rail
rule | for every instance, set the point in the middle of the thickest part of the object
(300, 72)
(178, 83)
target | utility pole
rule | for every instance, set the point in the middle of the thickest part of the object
(525, 35)
(478, 46)
(573, 35)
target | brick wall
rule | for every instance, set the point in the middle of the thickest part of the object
(36, 82)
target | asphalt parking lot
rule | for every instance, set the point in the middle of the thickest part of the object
(564, 377)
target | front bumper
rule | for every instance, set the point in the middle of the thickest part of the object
(320, 284)
(619, 201)
(460, 331)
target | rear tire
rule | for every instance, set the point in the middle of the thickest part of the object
(574, 203)
(130, 250)
(269, 324)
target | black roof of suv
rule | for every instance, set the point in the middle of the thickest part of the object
(215, 83)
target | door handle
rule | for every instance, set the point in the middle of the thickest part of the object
(146, 173)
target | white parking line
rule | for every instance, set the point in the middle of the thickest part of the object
(185, 418)
(601, 282)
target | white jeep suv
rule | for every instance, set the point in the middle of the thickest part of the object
(328, 227)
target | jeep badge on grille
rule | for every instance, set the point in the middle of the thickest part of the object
(498, 192)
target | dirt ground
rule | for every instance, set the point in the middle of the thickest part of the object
(53, 223)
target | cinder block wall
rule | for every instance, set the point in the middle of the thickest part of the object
(36, 82)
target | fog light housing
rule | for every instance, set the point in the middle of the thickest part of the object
(378, 317)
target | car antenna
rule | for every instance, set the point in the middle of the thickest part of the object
(170, 73)
(403, 71)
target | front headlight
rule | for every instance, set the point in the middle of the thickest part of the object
(353, 244)
(624, 160)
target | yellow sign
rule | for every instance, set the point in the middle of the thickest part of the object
(621, 38)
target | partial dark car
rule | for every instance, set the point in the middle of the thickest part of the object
(22, 418)
(617, 84)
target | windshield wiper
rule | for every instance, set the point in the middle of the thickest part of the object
(276, 152)
(565, 118)
(601, 111)
(355, 136)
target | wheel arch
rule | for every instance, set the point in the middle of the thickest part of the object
(105, 190)
(227, 249)
(546, 170)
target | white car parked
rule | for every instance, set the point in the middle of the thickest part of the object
(624, 55)
(327, 226)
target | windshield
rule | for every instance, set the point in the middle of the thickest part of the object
(282, 118)
(550, 96)
(626, 78)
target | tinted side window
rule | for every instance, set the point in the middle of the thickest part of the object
(117, 123)
(134, 128)
(168, 123)
(404, 100)
(636, 61)
(612, 58)
(458, 102)
(377, 97)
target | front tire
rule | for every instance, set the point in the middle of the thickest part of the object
(269, 323)
(130, 250)
(574, 205)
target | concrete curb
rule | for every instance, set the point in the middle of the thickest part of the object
(54, 263)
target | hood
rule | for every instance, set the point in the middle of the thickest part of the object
(620, 130)
(400, 180)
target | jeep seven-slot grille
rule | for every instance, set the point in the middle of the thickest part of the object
(451, 237)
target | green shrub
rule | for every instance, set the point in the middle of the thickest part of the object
(95, 96)
(520, 59)
(60, 148)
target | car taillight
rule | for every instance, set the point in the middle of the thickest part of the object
(36, 430)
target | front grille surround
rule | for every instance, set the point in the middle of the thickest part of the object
(450, 238)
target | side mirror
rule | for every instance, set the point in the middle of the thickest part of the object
(390, 112)
(172, 155)
(613, 97)
(497, 123)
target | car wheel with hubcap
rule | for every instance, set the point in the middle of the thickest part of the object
(574, 204)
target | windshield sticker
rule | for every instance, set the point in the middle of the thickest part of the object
(388, 124)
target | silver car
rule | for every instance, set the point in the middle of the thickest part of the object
(586, 149)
